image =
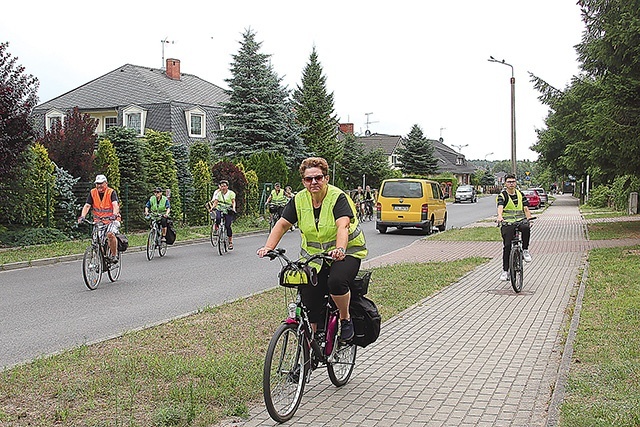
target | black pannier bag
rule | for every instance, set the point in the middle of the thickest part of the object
(366, 320)
(360, 284)
(123, 242)
(171, 233)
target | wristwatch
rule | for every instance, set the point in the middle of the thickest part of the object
(341, 249)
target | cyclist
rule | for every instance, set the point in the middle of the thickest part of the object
(278, 198)
(369, 200)
(103, 201)
(160, 205)
(358, 199)
(512, 206)
(224, 203)
(328, 223)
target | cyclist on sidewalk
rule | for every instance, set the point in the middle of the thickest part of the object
(328, 222)
(512, 206)
(159, 204)
(103, 201)
(223, 202)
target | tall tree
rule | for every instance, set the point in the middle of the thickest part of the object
(417, 157)
(72, 142)
(185, 182)
(18, 97)
(107, 163)
(315, 112)
(162, 167)
(255, 117)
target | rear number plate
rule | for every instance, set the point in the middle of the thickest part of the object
(401, 208)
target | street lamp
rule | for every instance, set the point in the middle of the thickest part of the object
(513, 113)
(487, 155)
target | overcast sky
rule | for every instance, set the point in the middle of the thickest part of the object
(406, 62)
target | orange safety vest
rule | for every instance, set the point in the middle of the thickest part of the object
(102, 208)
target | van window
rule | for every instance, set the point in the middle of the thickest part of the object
(406, 189)
(435, 190)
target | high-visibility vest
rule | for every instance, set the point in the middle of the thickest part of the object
(102, 208)
(159, 207)
(323, 238)
(278, 198)
(511, 212)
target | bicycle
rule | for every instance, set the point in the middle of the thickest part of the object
(516, 257)
(95, 260)
(295, 350)
(219, 237)
(154, 239)
(276, 212)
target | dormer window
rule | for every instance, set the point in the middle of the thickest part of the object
(196, 122)
(52, 118)
(134, 117)
(459, 160)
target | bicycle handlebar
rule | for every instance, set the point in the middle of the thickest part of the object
(516, 223)
(280, 253)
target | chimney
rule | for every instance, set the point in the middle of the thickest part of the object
(173, 69)
(346, 128)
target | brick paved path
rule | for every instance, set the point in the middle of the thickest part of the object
(476, 353)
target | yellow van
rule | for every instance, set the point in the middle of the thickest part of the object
(405, 202)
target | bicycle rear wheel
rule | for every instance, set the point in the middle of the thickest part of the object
(515, 268)
(114, 269)
(341, 363)
(286, 367)
(151, 244)
(92, 267)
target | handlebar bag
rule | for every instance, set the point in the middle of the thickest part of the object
(293, 276)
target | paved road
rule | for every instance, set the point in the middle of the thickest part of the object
(47, 308)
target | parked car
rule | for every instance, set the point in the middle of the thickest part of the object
(466, 193)
(533, 198)
(408, 202)
(544, 199)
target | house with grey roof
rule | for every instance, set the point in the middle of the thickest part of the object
(143, 98)
(449, 160)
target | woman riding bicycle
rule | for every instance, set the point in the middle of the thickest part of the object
(512, 206)
(278, 199)
(158, 204)
(328, 223)
(223, 203)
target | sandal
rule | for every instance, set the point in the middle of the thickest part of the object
(230, 246)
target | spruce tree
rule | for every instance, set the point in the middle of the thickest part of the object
(315, 112)
(185, 181)
(162, 167)
(417, 155)
(254, 118)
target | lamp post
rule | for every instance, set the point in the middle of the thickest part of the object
(513, 113)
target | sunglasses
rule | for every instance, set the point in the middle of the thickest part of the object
(310, 179)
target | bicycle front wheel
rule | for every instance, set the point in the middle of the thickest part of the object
(151, 244)
(341, 363)
(115, 269)
(515, 268)
(92, 267)
(286, 367)
(162, 248)
(213, 235)
(222, 239)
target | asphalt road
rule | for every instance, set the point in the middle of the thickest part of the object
(47, 309)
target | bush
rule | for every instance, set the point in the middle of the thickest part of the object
(600, 197)
(31, 236)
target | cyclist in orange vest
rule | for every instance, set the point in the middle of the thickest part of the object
(103, 200)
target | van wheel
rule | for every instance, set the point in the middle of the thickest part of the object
(443, 227)
(427, 230)
(382, 229)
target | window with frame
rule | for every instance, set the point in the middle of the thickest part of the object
(196, 122)
(110, 122)
(134, 118)
(52, 118)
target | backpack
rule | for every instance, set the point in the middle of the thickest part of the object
(123, 242)
(366, 320)
(171, 233)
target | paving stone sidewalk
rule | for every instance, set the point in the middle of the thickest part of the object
(474, 354)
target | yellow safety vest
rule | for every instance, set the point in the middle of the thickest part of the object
(511, 212)
(323, 238)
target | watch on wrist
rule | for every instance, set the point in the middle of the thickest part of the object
(341, 249)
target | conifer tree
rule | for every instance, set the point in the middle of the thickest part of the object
(107, 163)
(185, 181)
(162, 167)
(417, 156)
(315, 112)
(254, 118)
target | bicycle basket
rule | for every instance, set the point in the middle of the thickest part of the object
(293, 276)
(361, 282)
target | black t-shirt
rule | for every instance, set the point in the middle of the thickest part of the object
(341, 208)
(502, 201)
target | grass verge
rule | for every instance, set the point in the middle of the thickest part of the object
(73, 247)
(193, 371)
(604, 380)
(614, 230)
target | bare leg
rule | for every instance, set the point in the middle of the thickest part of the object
(342, 302)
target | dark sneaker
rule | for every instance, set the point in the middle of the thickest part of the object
(346, 330)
